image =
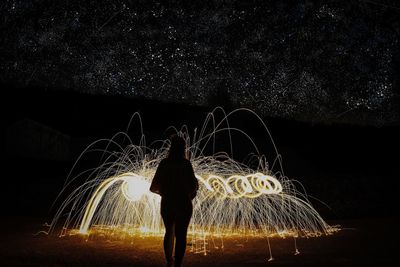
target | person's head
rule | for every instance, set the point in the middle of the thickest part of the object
(177, 149)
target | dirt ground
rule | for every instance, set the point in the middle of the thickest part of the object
(372, 242)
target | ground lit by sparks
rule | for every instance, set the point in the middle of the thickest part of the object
(233, 199)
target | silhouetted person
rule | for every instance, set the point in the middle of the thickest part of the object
(175, 182)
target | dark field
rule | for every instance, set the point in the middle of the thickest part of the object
(359, 243)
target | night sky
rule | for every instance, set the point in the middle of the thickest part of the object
(316, 61)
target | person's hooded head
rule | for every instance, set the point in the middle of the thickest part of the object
(177, 149)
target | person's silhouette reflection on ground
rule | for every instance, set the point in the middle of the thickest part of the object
(176, 183)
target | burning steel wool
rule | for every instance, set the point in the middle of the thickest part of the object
(233, 199)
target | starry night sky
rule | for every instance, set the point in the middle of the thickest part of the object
(319, 61)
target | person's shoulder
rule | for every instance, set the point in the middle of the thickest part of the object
(187, 162)
(163, 161)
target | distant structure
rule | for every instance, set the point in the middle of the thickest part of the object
(31, 139)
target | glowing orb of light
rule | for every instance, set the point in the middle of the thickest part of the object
(134, 188)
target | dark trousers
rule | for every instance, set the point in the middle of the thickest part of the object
(176, 216)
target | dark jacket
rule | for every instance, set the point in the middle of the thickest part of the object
(175, 180)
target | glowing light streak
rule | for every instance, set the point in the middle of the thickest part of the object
(233, 199)
(134, 187)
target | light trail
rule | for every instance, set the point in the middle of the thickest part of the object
(135, 188)
(233, 199)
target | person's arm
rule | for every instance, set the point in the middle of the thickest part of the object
(193, 183)
(155, 186)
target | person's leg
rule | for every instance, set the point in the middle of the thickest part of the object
(181, 227)
(169, 222)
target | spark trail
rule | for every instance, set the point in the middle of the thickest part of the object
(233, 199)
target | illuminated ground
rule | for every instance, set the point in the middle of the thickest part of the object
(361, 243)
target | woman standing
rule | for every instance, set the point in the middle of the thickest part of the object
(176, 183)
